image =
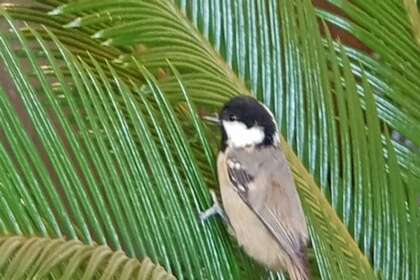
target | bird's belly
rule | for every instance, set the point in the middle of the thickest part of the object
(250, 232)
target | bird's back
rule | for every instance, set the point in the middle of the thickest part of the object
(267, 218)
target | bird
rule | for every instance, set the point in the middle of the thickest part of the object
(259, 200)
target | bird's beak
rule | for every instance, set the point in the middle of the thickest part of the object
(212, 118)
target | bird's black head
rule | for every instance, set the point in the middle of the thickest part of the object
(246, 122)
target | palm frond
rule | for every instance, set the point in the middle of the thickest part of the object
(122, 118)
(41, 258)
(414, 16)
(118, 178)
(397, 55)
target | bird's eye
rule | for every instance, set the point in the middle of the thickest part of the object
(232, 118)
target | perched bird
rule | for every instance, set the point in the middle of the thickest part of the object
(259, 198)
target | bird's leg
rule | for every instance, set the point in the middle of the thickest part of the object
(215, 209)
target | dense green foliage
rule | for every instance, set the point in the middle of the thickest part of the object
(103, 142)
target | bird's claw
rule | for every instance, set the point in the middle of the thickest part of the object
(208, 213)
(215, 209)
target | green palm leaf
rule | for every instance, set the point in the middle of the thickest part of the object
(121, 158)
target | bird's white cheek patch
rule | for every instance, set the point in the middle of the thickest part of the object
(240, 136)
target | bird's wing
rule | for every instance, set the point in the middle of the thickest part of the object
(264, 182)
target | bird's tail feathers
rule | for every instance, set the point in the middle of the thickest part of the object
(298, 269)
